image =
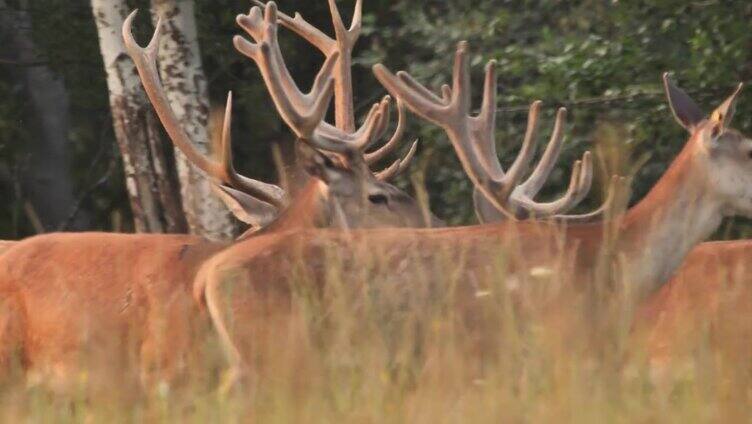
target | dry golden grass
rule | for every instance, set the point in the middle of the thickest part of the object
(370, 350)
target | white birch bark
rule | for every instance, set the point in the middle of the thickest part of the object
(186, 89)
(153, 193)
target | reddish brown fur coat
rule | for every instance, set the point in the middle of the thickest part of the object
(67, 296)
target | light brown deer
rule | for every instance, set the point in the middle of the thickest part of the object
(67, 295)
(708, 298)
(711, 178)
(115, 282)
(706, 305)
(6, 244)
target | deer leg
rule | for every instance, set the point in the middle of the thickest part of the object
(216, 303)
(12, 331)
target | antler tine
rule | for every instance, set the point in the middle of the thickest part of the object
(394, 141)
(521, 163)
(579, 186)
(422, 91)
(357, 21)
(489, 108)
(369, 132)
(586, 178)
(398, 166)
(389, 172)
(372, 129)
(419, 100)
(145, 59)
(408, 157)
(233, 178)
(606, 208)
(460, 90)
(535, 182)
(486, 121)
(339, 26)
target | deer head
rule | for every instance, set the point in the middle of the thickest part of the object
(349, 188)
(722, 154)
(362, 197)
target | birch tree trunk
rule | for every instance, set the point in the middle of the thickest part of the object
(152, 186)
(48, 180)
(186, 89)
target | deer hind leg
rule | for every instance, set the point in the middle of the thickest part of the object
(212, 279)
(12, 331)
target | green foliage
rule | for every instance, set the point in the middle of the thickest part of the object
(601, 59)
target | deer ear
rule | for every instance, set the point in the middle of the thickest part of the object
(246, 208)
(685, 110)
(724, 113)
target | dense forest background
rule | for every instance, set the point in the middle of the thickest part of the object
(602, 59)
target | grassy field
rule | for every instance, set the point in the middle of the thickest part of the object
(366, 350)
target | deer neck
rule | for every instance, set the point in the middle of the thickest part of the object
(676, 215)
(308, 209)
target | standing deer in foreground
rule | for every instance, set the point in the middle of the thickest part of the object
(711, 178)
(115, 283)
(69, 293)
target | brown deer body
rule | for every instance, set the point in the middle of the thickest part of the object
(6, 244)
(707, 304)
(343, 193)
(710, 179)
(117, 297)
(67, 293)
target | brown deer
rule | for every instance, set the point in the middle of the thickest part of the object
(303, 113)
(68, 295)
(6, 244)
(117, 281)
(710, 179)
(706, 304)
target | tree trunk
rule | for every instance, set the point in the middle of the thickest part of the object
(151, 183)
(186, 89)
(48, 180)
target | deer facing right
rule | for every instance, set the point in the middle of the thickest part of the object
(711, 178)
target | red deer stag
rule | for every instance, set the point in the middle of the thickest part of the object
(710, 179)
(711, 284)
(69, 294)
(98, 285)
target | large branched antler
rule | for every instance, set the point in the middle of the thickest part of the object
(302, 112)
(341, 45)
(473, 138)
(224, 171)
(340, 49)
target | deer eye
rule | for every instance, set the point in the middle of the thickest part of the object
(378, 199)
